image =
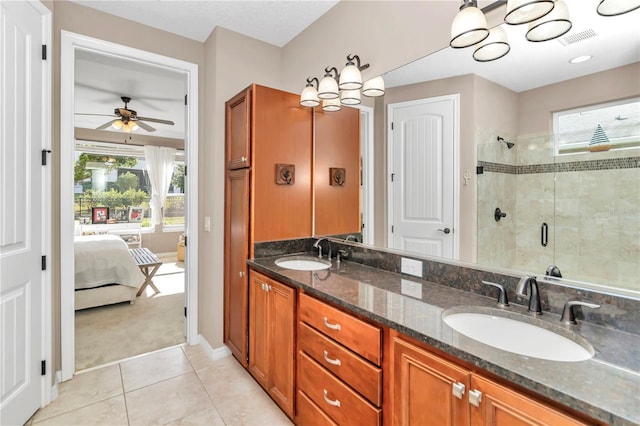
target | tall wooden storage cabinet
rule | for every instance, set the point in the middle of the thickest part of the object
(264, 130)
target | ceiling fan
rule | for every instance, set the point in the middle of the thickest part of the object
(128, 119)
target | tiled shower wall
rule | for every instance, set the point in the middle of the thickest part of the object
(590, 201)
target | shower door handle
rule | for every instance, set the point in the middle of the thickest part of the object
(544, 234)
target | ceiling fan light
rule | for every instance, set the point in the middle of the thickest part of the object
(328, 88)
(350, 78)
(469, 27)
(374, 87)
(617, 7)
(331, 105)
(309, 97)
(525, 11)
(350, 97)
(493, 47)
(553, 25)
(130, 126)
(117, 124)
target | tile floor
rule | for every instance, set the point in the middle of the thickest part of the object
(174, 386)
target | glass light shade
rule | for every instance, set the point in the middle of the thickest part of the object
(553, 25)
(328, 88)
(525, 11)
(469, 27)
(493, 47)
(331, 105)
(373, 87)
(350, 78)
(617, 7)
(350, 97)
(130, 126)
(309, 97)
(117, 124)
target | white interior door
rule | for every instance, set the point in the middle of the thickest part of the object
(21, 210)
(423, 169)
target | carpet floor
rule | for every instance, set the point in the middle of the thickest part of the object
(111, 333)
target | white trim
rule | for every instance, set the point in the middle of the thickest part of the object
(213, 354)
(47, 393)
(456, 164)
(367, 158)
(68, 44)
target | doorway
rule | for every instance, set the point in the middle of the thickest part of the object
(71, 45)
(423, 164)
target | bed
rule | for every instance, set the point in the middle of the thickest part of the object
(105, 272)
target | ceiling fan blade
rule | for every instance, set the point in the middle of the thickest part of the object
(98, 115)
(156, 120)
(145, 126)
(105, 125)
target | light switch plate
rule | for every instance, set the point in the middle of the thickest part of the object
(207, 223)
(411, 288)
(411, 267)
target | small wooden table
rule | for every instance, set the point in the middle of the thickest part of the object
(148, 264)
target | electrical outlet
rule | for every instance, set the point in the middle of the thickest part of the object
(207, 223)
(411, 267)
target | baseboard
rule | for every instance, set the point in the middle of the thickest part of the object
(213, 354)
(54, 388)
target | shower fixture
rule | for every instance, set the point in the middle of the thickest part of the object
(509, 144)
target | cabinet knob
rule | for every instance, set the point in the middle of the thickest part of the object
(475, 397)
(243, 158)
(331, 361)
(458, 390)
(331, 326)
(334, 402)
(241, 274)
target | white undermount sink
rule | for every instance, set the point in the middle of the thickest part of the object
(517, 335)
(303, 263)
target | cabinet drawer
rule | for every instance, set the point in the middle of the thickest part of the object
(360, 337)
(358, 373)
(309, 414)
(338, 400)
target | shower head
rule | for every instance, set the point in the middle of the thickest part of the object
(509, 144)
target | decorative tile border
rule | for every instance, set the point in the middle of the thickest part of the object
(570, 166)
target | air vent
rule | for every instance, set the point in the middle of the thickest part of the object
(577, 37)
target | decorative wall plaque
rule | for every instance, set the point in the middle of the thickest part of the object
(336, 176)
(285, 174)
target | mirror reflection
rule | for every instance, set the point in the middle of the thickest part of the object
(568, 193)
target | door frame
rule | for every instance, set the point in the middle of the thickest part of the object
(456, 163)
(70, 42)
(367, 167)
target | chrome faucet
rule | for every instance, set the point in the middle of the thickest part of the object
(534, 294)
(351, 237)
(319, 247)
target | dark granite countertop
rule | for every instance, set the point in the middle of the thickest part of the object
(605, 387)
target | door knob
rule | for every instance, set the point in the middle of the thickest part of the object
(445, 230)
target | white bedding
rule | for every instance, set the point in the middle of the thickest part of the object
(104, 259)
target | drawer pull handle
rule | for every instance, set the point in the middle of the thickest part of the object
(335, 403)
(331, 361)
(331, 326)
(458, 390)
(475, 397)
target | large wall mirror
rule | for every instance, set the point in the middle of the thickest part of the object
(577, 207)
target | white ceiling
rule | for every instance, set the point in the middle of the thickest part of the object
(159, 93)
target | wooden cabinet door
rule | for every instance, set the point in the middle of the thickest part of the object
(423, 386)
(259, 344)
(501, 406)
(238, 130)
(282, 305)
(236, 293)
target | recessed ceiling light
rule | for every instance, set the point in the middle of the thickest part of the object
(579, 59)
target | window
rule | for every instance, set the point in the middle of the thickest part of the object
(173, 210)
(613, 125)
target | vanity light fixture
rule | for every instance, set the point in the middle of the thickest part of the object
(331, 105)
(493, 47)
(374, 87)
(553, 25)
(350, 97)
(350, 77)
(309, 95)
(617, 7)
(328, 87)
(469, 27)
(525, 11)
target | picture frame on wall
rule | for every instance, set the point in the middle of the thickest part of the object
(99, 215)
(122, 215)
(136, 214)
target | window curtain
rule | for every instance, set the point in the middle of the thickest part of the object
(160, 163)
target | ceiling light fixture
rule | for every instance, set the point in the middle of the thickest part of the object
(334, 95)
(580, 59)
(469, 27)
(617, 7)
(525, 11)
(493, 47)
(553, 25)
